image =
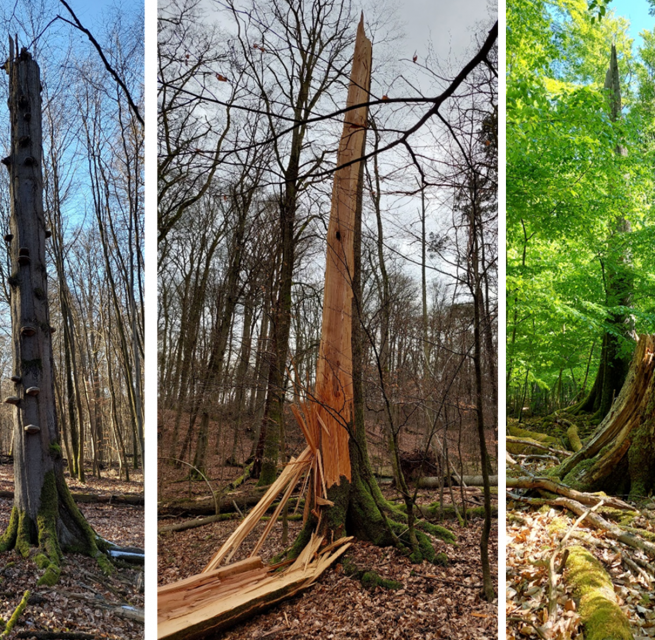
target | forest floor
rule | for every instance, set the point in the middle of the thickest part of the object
(432, 601)
(84, 600)
(533, 536)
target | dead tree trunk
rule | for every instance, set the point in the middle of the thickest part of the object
(620, 456)
(44, 514)
(358, 507)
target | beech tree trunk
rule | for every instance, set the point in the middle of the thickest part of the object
(44, 513)
(614, 364)
(620, 456)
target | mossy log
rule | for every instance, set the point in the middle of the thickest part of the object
(574, 438)
(114, 498)
(620, 456)
(519, 446)
(430, 482)
(544, 438)
(601, 616)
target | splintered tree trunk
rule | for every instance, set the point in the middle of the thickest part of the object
(618, 288)
(358, 509)
(44, 513)
(620, 456)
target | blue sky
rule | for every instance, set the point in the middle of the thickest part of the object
(637, 12)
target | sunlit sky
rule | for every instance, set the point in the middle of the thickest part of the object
(637, 12)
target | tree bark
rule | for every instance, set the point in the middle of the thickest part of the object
(44, 513)
(620, 455)
(614, 363)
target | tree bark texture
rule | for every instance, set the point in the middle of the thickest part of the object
(44, 512)
(614, 363)
(620, 455)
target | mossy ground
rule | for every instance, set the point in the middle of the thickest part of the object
(369, 579)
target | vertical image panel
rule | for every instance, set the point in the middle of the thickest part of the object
(71, 301)
(327, 337)
(580, 332)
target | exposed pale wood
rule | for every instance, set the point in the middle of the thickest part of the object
(598, 522)
(208, 606)
(555, 487)
(624, 415)
(291, 474)
(334, 390)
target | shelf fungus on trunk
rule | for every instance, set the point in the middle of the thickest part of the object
(45, 522)
(48, 233)
(9, 237)
(23, 261)
(32, 391)
(16, 379)
(15, 400)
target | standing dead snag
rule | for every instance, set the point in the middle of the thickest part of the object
(614, 363)
(44, 514)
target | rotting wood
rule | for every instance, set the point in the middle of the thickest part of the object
(548, 484)
(206, 604)
(430, 482)
(612, 441)
(512, 446)
(611, 530)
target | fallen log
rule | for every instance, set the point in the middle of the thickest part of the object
(611, 530)
(134, 499)
(205, 505)
(194, 524)
(548, 484)
(431, 482)
(520, 445)
(598, 605)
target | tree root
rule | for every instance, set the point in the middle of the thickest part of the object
(610, 529)
(18, 611)
(369, 579)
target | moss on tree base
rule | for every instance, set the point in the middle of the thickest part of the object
(39, 538)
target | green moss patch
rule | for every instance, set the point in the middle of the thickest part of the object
(437, 531)
(369, 579)
(18, 612)
(597, 604)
